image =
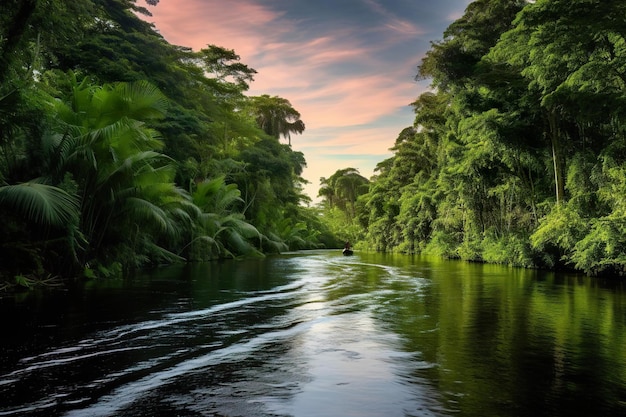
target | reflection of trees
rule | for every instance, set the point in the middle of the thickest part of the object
(497, 341)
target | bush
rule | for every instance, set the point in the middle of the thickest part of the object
(603, 250)
(510, 250)
(558, 233)
(442, 244)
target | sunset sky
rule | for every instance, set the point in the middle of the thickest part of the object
(347, 66)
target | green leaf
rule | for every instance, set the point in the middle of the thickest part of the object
(41, 203)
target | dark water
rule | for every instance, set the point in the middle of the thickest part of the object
(319, 334)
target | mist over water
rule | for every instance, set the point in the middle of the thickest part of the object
(319, 334)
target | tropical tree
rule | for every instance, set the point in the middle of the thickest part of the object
(39, 226)
(381, 206)
(342, 189)
(561, 58)
(221, 229)
(341, 205)
(449, 184)
(225, 72)
(129, 201)
(276, 117)
(450, 64)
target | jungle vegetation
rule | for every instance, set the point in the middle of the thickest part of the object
(517, 154)
(119, 150)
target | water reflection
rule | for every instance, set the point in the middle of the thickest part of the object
(317, 333)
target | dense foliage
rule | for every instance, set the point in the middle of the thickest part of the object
(517, 155)
(119, 150)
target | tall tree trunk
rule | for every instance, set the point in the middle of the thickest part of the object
(557, 157)
(13, 33)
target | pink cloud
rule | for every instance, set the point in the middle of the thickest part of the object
(326, 101)
(371, 141)
(309, 55)
(196, 23)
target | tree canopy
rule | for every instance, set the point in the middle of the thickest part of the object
(516, 153)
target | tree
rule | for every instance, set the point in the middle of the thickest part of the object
(221, 229)
(560, 48)
(224, 69)
(341, 194)
(451, 63)
(271, 182)
(342, 189)
(276, 117)
(31, 29)
(128, 199)
(456, 173)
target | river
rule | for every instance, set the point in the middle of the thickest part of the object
(319, 334)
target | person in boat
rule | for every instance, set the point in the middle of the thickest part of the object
(347, 248)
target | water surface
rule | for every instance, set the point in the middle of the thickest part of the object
(319, 334)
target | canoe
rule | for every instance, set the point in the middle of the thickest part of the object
(347, 252)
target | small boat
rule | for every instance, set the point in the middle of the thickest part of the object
(347, 252)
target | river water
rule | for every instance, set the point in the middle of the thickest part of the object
(319, 334)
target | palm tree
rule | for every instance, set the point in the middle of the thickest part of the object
(128, 198)
(39, 229)
(40, 215)
(276, 117)
(221, 231)
(343, 188)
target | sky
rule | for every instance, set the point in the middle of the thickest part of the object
(348, 66)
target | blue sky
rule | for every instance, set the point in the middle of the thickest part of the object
(347, 66)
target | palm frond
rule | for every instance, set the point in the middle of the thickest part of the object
(40, 203)
(240, 245)
(164, 254)
(273, 243)
(144, 100)
(216, 196)
(242, 227)
(145, 211)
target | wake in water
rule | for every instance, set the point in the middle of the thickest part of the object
(317, 344)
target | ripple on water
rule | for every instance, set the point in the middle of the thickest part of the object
(313, 346)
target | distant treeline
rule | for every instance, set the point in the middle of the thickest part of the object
(119, 150)
(517, 156)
